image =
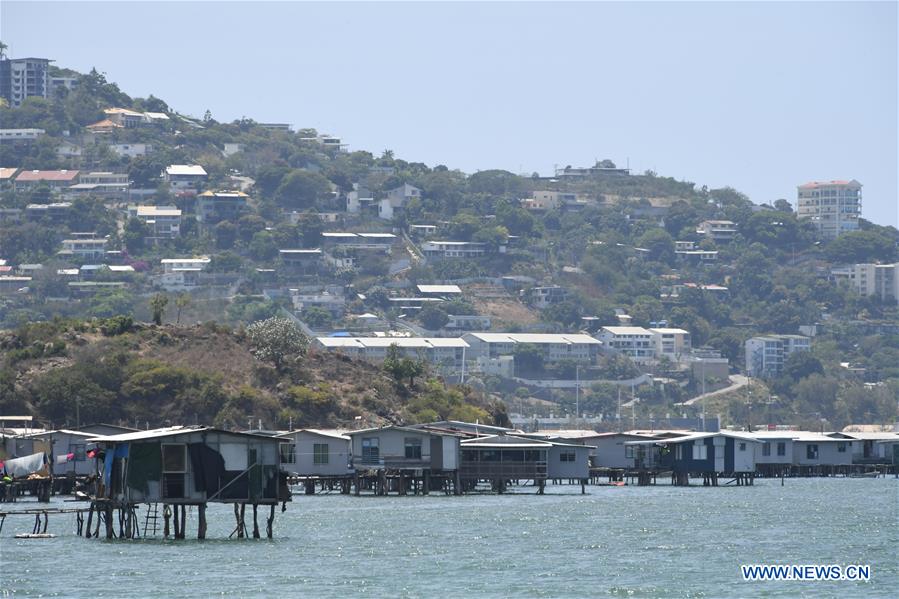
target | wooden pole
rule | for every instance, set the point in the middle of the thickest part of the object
(177, 523)
(90, 518)
(271, 521)
(183, 520)
(166, 517)
(109, 531)
(201, 525)
(255, 521)
(243, 521)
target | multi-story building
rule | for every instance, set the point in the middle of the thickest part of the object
(719, 231)
(184, 177)
(128, 119)
(9, 136)
(453, 249)
(131, 150)
(164, 222)
(880, 280)
(553, 200)
(635, 342)
(22, 78)
(832, 206)
(544, 297)
(84, 248)
(396, 200)
(671, 343)
(182, 272)
(555, 347)
(215, 206)
(55, 211)
(446, 353)
(767, 354)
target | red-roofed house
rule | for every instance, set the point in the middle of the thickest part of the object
(55, 179)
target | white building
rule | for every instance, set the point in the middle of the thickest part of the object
(453, 249)
(404, 447)
(672, 343)
(562, 346)
(832, 206)
(766, 355)
(132, 150)
(214, 206)
(396, 200)
(22, 78)
(720, 231)
(544, 297)
(184, 177)
(635, 342)
(182, 272)
(84, 248)
(164, 222)
(880, 280)
(445, 352)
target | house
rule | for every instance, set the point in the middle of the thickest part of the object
(719, 231)
(634, 342)
(11, 136)
(577, 347)
(185, 178)
(766, 355)
(84, 248)
(396, 200)
(182, 272)
(7, 175)
(313, 452)
(697, 256)
(671, 343)
(869, 447)
(612, 450)
(13, 284)
(441, 291)
(102, 183)
(192, 466)
(544, 297)
(66, 450)
(215, 206)
(453, 249)
(554, 200)
(130, 150)
(54, 211)
(709, 454)
(56, 180)
(359, 241)
(422, 231)
(125, 118)
(402, 448)
(67, 149)
(300, 257)
(360, 199)
(468, 322)
(500, 458)
(103, 127)
(335, 303)
(164, 222)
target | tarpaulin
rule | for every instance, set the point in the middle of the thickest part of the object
(208, 466)
(26, 465)
(66, 457)
(144, 464)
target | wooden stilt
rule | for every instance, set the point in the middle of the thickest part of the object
(177, 523)
(255, 520)
(270, 522)
(90, 518)
(201, 524)
(109, 530)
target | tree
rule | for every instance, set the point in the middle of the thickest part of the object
(302, 189)
(135, 235)
(433, 317)
(277, 340)
(862, 246)
(782, 205)
(660, 245)
(400, 367)
(158, 304)
(528, 359)
(181, 302)
(801, 365)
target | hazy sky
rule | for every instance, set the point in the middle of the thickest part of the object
(760, 96)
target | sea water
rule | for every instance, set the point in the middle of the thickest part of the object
(658, 541)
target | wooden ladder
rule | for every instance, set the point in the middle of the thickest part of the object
(151, 519)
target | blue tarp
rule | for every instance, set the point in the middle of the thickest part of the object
(121, 451)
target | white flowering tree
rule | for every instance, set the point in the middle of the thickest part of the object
(277, 340)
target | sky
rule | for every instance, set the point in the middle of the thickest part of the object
(760, 96)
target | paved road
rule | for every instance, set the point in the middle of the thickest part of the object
(737, 381)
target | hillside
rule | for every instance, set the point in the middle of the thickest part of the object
(63, 371)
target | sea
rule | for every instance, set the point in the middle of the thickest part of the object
(656, 541)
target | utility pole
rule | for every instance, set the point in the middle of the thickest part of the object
(577, 393)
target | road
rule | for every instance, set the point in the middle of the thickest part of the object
(737, 381)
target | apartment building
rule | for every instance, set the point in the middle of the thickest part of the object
(832, 206)
(84, 248)
(164, 222)
(635, 342)
(767, 354)
(22, 78)
(877, 280)
(719, 231)
(446, 353)
(453, 249)
(671, 343)
(215, 206)
(184, 177)
(555, 347)
(27, 180)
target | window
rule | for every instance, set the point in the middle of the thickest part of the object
(413, 448)
(811, 451)
(79, 451)
(766, 449)
(781, 448)
(370, 449)
(628, 451)
(174, 466)
(841, 448)
(742, 447)
(319, 453)
(288, 453)
(700, 451)
(567, 456)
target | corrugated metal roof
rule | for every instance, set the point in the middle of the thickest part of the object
(185, 169)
